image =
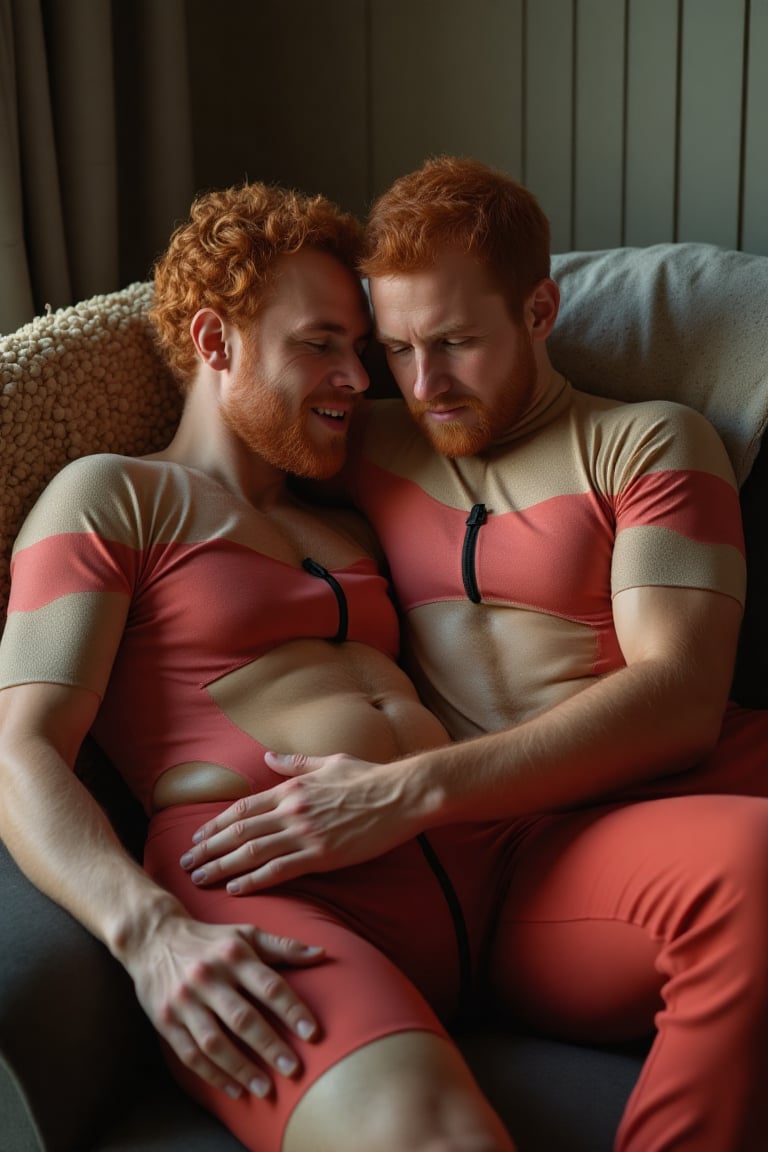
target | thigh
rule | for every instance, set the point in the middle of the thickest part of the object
(357, 994)
(405, 1091)
(585, 934)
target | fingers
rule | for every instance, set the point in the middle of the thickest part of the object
(212, 861)
(275, 870)
(293, 763)
(213, 1016)
(269, 988)
(202, 1046)
(249, 806)
(246, 835)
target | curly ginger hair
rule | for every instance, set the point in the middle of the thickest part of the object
(224, 257)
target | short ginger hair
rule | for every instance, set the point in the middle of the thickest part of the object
(452, 202)
(224, 256)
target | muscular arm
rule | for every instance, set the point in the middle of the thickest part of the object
(190, 977)
(659, 714)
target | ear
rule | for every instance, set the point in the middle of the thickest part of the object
(210, 336)
(541, 308)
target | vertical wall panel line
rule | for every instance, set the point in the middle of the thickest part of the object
(524, 95)
(624, 128)
(743, 133)
(368, 96)
(574, 116)
(678, 122)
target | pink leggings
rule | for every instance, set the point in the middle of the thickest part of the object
(597, 925)
(654, 914)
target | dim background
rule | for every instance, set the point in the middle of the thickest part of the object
(633, 121)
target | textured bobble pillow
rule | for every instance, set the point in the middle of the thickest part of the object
(81, 380)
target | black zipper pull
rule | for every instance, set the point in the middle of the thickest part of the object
(475, 521)
(314, 569)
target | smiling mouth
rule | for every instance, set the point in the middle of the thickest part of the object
(338, 414)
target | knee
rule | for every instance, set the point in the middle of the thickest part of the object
(737, 853)
(409, 1091)
(720, 892)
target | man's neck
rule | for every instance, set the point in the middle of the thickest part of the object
(205, 442)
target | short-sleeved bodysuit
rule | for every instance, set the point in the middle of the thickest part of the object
(142, 581)
(586, 498)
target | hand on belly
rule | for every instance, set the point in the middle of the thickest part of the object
(332, 812)
(308, 697)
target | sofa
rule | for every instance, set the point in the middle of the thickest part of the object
(80, 1069)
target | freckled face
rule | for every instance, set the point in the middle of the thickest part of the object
(466, 368)
(299, 374)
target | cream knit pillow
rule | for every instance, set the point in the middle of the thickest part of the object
(80, 380)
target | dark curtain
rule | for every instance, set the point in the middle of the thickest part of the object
(95, 146)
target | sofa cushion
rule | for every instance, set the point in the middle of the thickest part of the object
(80, 380)
(685, 322)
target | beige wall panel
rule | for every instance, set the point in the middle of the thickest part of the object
(345, 95)
(599, 124)
(280, 94)
(548, 167)
(651, 128)
(710, 121)
(754, 236)
(446, 76)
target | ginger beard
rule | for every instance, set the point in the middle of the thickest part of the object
(266, 420)
(490, 421)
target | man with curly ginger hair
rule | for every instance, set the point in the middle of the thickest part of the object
(192, 613)
(571, 574)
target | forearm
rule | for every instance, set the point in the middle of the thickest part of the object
(63, 841)
(637, 724)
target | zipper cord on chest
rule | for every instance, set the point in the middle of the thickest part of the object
(314, 569)
(475, 521)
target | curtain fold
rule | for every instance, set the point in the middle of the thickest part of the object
(95, 146)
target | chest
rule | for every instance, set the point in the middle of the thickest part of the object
(212, 593)
(535, 529)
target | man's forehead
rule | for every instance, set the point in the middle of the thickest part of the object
(357, 324)
(315, 289)
(440, 298)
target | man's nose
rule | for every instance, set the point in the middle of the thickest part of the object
(428, 381)
(353, 376)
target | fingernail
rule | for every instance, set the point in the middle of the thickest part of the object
(198, 876)
(259, 1087)
(286, 1065)
(187, 860)
(233, 1092)
(305, 1029)
(197, 837)
(233, 887)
